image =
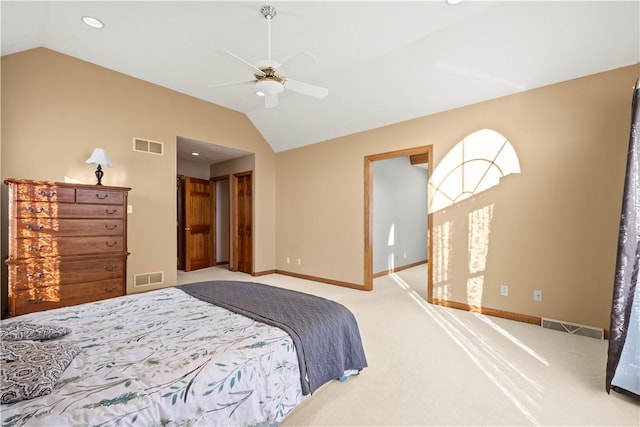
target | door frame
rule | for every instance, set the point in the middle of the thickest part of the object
(180, 222)
(425, 154)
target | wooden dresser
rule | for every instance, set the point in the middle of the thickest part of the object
(67, 244)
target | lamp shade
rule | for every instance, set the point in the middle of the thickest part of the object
(99, 157)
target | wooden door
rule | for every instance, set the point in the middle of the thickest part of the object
(198, 219)
(244, 223)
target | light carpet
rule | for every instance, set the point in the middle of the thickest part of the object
(436, 366)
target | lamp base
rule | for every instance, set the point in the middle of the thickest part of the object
(99, 175)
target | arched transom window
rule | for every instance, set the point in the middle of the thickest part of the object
(475, 164)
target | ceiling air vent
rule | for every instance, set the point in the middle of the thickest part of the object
(148, 146)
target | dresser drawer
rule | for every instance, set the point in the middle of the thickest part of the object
(39, 299)
(37, 227)
(46, 193)
(49, 246)
(107, 197)
(44, 272)
(67, 210)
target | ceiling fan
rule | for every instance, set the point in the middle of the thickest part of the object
(267, 79)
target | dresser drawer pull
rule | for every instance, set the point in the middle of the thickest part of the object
(110, 267)
(101, 197)
(34, 210)
(35, 248)
(111, 289)
(110, 244)
(46, 194)
(34, 227)
(111, 226)
(35, 300)
(110, 212)
(38, 275)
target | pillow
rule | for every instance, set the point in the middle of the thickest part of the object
(18, 331)
(31, 369)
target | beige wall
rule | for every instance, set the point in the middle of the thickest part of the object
(554, 225)
(56, 109)
(192, 169)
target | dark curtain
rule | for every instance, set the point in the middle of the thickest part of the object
(628, 260)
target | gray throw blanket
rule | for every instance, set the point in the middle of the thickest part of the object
(325, 333)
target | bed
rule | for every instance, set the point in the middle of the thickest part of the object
(209, 353)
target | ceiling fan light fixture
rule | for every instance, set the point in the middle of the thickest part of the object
(268, 87)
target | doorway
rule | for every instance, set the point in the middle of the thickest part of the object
(222, 220)
(418, 155)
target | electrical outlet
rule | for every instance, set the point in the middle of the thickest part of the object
(504, 290)
(299, 261)
(288, 260)
(537, 295)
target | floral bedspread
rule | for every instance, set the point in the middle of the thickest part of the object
(165, 358)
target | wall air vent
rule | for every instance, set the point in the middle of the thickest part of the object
(573, 328)
(148, 279)
(147, 146)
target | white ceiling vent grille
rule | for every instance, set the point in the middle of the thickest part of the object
(148, 279)
(573, 328)
(148, 146)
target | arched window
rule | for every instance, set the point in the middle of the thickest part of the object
(475, 164)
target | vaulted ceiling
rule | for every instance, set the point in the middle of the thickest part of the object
(382, 61)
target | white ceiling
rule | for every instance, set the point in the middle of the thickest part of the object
(382, 61)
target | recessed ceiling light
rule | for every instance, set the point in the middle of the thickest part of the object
(92, 22)
(195, 154)
(454, 1)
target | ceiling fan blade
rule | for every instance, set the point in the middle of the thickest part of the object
(253, 68)
(303, 58)
(242, 82)
(270, 101)
(306, 88)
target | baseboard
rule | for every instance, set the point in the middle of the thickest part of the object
(263, 273)
(321, 280)
(399, 268)
(534, 320)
